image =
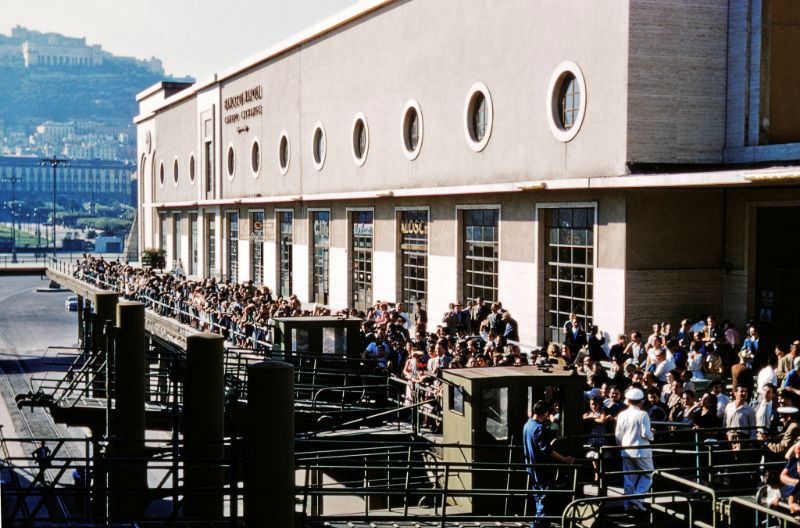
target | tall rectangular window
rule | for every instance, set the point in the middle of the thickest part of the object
(414, 257)
(211, 252)
(162, 231)
(780, 72)
(481, 253)
(233, 247)
(285, 241)
(193, 243)
(208, 164)
(321, 243)
(569, 267)
(176, 239)
(361, 244)
(257, 247)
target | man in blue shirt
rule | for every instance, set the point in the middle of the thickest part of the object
(379, 350)
(537, 440)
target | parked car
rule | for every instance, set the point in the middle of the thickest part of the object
(71, 304)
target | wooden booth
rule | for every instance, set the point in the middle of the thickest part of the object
(329, 336)
(488, 407)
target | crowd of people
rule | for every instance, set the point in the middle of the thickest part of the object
(703, 376)
(240, 312)
(703, 383)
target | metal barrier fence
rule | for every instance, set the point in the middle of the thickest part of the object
(180, 310)
(45, 256)
(408, 481)
(61, 490)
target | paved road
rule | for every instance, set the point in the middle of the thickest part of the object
(30, 323)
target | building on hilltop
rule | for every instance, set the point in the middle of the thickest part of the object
(35, 49)
(631, 161)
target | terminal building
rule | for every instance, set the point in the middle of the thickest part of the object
(632, 161)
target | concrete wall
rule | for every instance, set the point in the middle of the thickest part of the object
(676, 81)
(675, 242)
(174, 138)
(432, 52)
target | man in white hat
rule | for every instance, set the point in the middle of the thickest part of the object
(634, 433)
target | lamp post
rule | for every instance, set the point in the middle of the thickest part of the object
(54, 163)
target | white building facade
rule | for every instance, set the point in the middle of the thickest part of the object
(608, 158)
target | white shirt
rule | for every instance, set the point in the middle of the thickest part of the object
(741, 417)
(663, 368)
(722, 402)
(633, 429)
(766, 375)
(764, 416)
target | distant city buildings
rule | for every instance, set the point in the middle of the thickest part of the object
(80, 180)
(79, 139)
(82, 86)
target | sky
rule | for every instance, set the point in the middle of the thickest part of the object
(192, 37)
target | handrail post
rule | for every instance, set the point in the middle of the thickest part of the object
(407, 482)
(445, 491)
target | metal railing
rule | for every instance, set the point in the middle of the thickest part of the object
(44, 256)
(80, 488)
(397, 478)
(782, 519)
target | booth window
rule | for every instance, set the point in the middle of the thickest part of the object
(334, 341)
(300, 340)
(495, 412)
(456, 399)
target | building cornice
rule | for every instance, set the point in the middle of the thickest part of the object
(732, 178)
(357, 11)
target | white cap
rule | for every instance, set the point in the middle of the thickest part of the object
(788, 410)
(634, 394)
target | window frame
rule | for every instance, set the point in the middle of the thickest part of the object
(256, 144)
(175, 171)
(553, 101)
(541, 248)
(191, 167)
(284, 137)
(478, 89)
(230, 161)
(461, 244)
(317, 136)
(411, 106)
(360, 124)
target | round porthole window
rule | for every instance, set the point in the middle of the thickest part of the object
(318, 147)
(566, 101)
(230, 162)
(412, 129)
(191, 168)
(284, 152)
(175, 171)
(360, 139)
(255, 157)
(478, 117)
(161, 173)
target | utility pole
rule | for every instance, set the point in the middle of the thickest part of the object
(13, 179)
(54, 163)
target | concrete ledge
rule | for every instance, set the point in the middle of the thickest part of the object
(24, 270)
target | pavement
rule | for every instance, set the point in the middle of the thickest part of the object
(31, 324)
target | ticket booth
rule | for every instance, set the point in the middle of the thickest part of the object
(327, 336)
(488, 407)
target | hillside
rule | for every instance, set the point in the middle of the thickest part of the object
(108, 93)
